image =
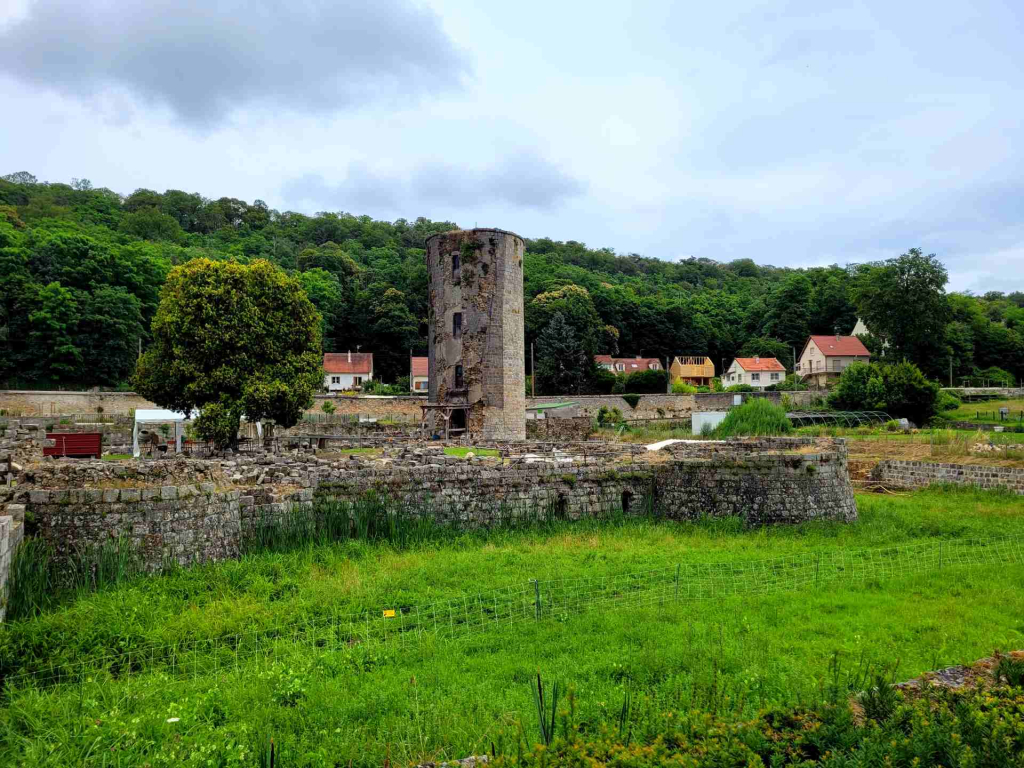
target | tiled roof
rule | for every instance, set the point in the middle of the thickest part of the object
(840, 346)
(752, 364)
(348, 362)
(419, 366)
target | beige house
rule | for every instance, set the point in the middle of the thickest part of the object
(824, 358)
(758, 372)
(698, 371)
(418, 375)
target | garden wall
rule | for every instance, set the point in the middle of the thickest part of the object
(47, 403)
(921, 474)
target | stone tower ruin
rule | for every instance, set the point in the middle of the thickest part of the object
(476, 362)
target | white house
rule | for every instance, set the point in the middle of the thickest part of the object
(758, 372)
(347, 370)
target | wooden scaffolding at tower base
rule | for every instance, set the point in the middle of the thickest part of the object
(445, 410)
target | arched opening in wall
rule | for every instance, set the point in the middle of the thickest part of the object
(626, 500)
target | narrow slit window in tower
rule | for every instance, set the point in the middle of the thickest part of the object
(457, 325)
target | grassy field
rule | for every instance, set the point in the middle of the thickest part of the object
(430, 698)
(988, 411)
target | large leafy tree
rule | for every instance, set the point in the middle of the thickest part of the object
(789, 312)
(233, 340)
(903, 302)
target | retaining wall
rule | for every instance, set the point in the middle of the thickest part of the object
(921, 474)
(571, 429)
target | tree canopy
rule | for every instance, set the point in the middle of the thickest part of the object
(99, 248)
(233, 340)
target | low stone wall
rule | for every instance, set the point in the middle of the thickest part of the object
(648, 407)
(764, 481)
(47, 403)
(921, 474)
(723, 401)
(402, 407)
(572, 429)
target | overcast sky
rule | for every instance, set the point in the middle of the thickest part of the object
(797, 134)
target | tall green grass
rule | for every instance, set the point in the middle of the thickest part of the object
(41, 579)
(755, 418)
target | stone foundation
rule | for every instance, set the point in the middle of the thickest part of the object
(921, 474)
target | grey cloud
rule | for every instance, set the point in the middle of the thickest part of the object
(522, 181)
(209, 58)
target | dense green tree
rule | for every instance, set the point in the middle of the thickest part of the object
(110, 329)
(150, 224)
(325, 292)
(901, 390)
(767, 347)
(394, 332)
(789, 312)
(903, 302)
(831, 308)
(54, 323)
(233, 340)
(562, 360)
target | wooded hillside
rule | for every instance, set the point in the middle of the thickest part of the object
(81, 270)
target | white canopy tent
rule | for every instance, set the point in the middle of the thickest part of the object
(157, 416)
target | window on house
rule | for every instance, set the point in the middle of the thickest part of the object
(460, 381)
(357, 380)
(335, 379)
(755, 377)
(775, 377)
(457, 325)
(620, 367)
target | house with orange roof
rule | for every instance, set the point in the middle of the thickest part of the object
(347, 370)
(418, 373)
(824, 358)
(627, 365)
(758, 372)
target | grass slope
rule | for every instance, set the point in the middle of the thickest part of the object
(433, 698)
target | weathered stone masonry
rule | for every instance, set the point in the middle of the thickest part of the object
(475, 331)
(760, 481)
(921, 474)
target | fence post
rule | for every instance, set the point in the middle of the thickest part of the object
(677, 581)
(817, 568)
(536, 592)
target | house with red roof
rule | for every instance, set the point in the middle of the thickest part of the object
(824, 358)
(347, 370)
(627, 365)
(758, 372)
(418, 381)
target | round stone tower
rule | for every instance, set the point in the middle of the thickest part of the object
(476, 366)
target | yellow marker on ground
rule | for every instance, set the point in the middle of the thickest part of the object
(389, 614)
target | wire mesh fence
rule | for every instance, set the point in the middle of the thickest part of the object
(495, 610)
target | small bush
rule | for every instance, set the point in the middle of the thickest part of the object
(328, 407)
(680, 387)
(757, 417)
(739, 388)
(947, 401)
(647, 382)
(608, 416)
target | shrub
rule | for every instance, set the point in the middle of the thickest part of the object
(947, 401)
(680, 387)
(792, 383)
(328, 407)
(608, 416)
(647, 382)
(901, 390)
(757, 417)
(703, 388)
(619, 386)
(739, 388)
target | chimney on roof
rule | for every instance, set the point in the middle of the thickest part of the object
(350, 355)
